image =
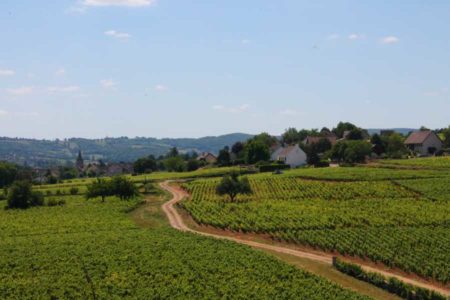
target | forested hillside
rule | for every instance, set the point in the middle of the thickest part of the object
(45, 152)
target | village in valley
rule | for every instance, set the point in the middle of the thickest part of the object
(293, 149)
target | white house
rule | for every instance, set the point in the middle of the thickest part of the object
(424, 142)
(291, 155)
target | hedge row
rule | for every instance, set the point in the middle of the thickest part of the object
(392, 285)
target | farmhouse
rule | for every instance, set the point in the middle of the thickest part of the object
(423, 142)
(291, 155)
(207, 157)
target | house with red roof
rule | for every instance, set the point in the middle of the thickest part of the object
(424, 142)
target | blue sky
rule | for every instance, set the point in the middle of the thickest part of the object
(182, 68)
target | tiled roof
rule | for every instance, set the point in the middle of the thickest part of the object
(417, 137)
(286, 151)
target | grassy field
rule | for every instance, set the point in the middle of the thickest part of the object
(156, 176)
(93, 250)
(397, 217)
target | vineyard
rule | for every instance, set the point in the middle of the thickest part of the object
(428, 162)
(399, 218)
(93, 250)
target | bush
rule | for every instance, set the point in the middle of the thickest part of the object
(54, 202)
(149, 188)
(392, 285)
(58, 192)
(21, 195)
(73, 191)
(322, 164)
(48, 192)
(273, 167)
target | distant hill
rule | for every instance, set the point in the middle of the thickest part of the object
(43, 153)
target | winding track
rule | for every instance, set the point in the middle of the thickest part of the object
(177, 222)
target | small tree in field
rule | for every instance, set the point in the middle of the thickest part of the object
(21, 195)
(232, 185)
(123, 188)
(99, 188)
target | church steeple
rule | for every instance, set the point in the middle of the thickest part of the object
(80, 161)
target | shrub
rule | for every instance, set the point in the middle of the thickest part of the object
(58, 192)
(73, 191)
(272, 167)
(54, 202)
(392, 285)
(21, 195)
(149, 188)
(48, 192)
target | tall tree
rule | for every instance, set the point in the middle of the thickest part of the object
(378, 145)
(256, 151)
(342, 127)
(290, 136)
(224, 159)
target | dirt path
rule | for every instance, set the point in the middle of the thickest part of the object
(176, 222)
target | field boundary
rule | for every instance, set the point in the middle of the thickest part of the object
(176, 221)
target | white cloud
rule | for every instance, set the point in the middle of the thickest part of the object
(128, 3)
(26, 114)
(333, 36)
(389, 40)
(356, 36)
(4, 72)
(22, 91)
(161, 88)
(245, 41)
(107, 83)
(4, 113)
(60, 72)
(289, 112)
(234, 110)
(63, 89)
(436, 93)
(117, 34)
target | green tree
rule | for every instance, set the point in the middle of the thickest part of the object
(21, 195)
(175, 164)
(357, 151)
(446, 136)
(173, 152)
(256, 151)
(351, 151)
(290, 136)
(8, 173)
(123, 188)
(100, 188)
(395, 146)
(145, 165)
(355, 134)
(237, 148)
(232, 185)
(341, 127)
(224, 158)
(265, 139)
(192, 164)
(378, 145)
